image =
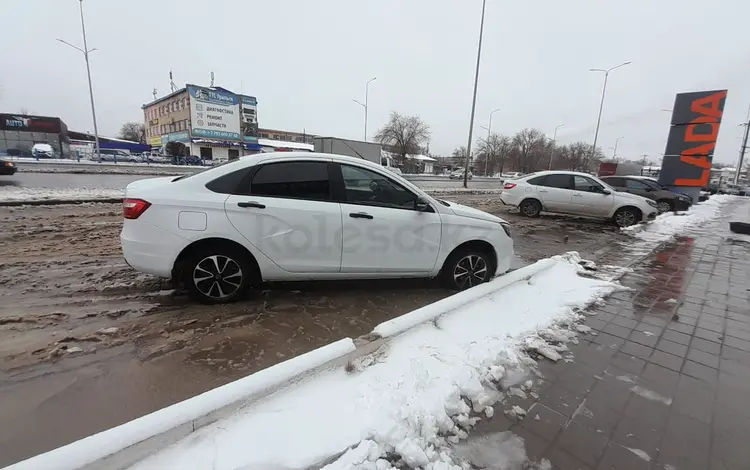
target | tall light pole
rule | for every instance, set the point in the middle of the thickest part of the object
(601, 105)
(86, 52)
(474, 99)
(489, 133)
(554, 139)
(366, 103)
(743, 148)
(614, 149)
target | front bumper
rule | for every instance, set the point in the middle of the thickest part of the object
(8, 170)
(680, 205)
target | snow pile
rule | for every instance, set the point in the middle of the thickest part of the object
(447, 191)
(417, 396)
(669, 224)
(20, 193)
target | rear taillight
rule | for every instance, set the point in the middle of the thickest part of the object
(509, 185)
(133, 208)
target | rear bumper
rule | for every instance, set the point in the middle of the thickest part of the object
(150, 249)
(8, 170)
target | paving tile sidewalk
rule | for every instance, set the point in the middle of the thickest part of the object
(665, 384)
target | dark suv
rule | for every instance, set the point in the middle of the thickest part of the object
(665, 200)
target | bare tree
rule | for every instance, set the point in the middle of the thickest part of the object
(530, 145)
(135, 131)
(176, 149)
(493, 151)
(404, 134)
(578, 157)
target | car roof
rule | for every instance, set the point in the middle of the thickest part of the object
(557, 172)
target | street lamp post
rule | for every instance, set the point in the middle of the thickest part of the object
(614, 149)
(489, 133)
(474, 99)
(601, 104)
(366, 103)
(86, 52)
(554, 139)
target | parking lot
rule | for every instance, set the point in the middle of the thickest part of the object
(88, 343)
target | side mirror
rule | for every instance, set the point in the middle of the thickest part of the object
(421, 205)
(606, 191)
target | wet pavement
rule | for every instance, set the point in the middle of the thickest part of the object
(87, 343)
(664, 384)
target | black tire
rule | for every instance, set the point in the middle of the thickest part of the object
(530, 208)
(466, 268)
(221, 267)
(626, 216)
(664, 205)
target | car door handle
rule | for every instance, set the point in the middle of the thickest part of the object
(257, 205)
(360, 215)
(542, 190)
(577, 195)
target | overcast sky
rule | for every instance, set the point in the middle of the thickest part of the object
(306, 60)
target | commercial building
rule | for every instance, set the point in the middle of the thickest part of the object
(212, 122)
(286, 136)
(19, 133)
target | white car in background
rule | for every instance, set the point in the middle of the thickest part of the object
(568, 192)
(301, 216)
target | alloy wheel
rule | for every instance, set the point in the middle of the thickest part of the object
(529, 209)
(217, 276)
(625, 218)
(663, 206)
(470, 271)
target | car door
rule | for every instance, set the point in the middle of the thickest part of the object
(383, 230)
(556, 190)
(288, 213)
(590, 198)
(639, 187)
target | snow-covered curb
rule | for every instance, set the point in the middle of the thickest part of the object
(669, 224)
(160, 428)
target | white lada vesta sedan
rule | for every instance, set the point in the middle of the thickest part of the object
(304, 216)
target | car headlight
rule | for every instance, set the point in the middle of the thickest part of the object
(651, 202)
(506, 227)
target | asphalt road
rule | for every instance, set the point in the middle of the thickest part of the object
(109, 181)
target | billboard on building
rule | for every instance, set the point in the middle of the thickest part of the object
(249, 117)
(696, 119)
(26, 123)
(214, 114)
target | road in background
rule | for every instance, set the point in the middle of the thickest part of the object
(119, 181)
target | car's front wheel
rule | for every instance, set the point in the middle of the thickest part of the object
(626, 217)
(466, 268)
(217, 275)
(664, 206)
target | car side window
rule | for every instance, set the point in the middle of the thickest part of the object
(536, 180)
(586, 184)
(369, 188)
(296, 180)
(557, 180)
(633, 184)
(616, 182)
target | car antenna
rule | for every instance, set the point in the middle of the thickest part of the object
(350, 148)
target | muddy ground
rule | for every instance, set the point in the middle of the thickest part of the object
(87, 343)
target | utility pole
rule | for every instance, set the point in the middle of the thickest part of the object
(86, 52)
(365, 105)
(489, 133)
(554, 139)
(474, 99)
(742, 149)
(614, 149)
(601, 104)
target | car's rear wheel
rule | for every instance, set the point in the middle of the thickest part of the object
(626, 217)
(530, 208)
(466, 268)
(664, 206)
(217, 275)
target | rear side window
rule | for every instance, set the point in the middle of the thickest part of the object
(296, 180)
(555, 180)
(616, 182)
(536, 180)
(635, 184)
(229, 183)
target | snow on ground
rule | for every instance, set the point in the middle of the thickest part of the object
(20, 193)
(669, 224)
(404, 401)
